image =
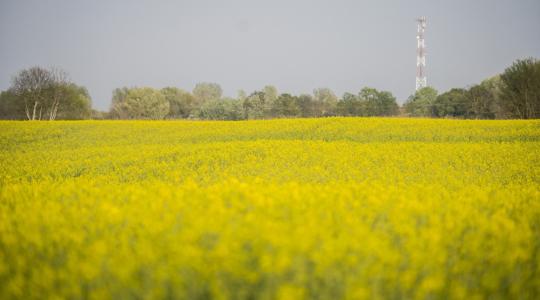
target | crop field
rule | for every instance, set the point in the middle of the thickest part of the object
(331, 208)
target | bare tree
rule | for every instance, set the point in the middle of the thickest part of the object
(58, 84)
(31, 86)
(42, 91)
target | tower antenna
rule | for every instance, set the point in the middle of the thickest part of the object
(421, 79)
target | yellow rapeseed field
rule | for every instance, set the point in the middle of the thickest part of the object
(333, 208)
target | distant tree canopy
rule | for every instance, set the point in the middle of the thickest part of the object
(47, 94)
(452, 103)
(369, 102)
(181, 103)
(513, 94)
(44, 94)
(520, 89)
(422, 103)
(139, 103)
(206, 92)
(207, 103)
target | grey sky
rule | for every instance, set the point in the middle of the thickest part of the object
(294, 45)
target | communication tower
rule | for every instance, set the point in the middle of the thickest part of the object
(421, 80)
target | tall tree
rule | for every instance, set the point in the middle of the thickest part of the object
(286, 105)
(254, 105)
(77, 104)
(452, 103)
(351, 105)
(378, 103)
(58, 90)
(119, 108)
(306, 105)
(325, 101)
(206, 91)
(241, 95)
(421, 104)
(270, 97)
(31, 86)
(139, 103)
(481, 102)
(521, 89)
(181, 103)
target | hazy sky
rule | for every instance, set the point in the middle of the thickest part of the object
(295, 45)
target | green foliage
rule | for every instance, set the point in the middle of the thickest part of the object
(521, 89)
(76, 105)
(140, 103)
(368, 103)
(481, 101)
(181, 103)
(453, 103)
(205, 91)
(325, 102)
(307, 106)
(38, 93)
(351, 105)
(270, 96)
(421, 104)
(286, 106)
(378, 103)
(254, 106)
(118, 104)
(10, 106)
(224, 109)
(513, 94)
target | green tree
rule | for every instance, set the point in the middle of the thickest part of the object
(378, 103)
(119, 109)
(286, 106)
(325, 102)
(205, 91)
(306, 106)
(181, 103)
(368, 102)
(520, 92)
(351, 105)
(233, 109)
(269, 99)
(76, 104)
(481, 102)
(212, 110)
(223, 109)
(494, 86)
(452, 103)
(10, 106)
(421, 104)
(254, 106)
(241, 95)
(140, 103)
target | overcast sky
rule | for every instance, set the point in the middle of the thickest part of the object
(295, 45)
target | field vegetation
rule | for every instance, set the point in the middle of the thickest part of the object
(329, 208)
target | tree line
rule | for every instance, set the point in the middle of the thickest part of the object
(48, 94)
(206, 102)
(514, 94)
